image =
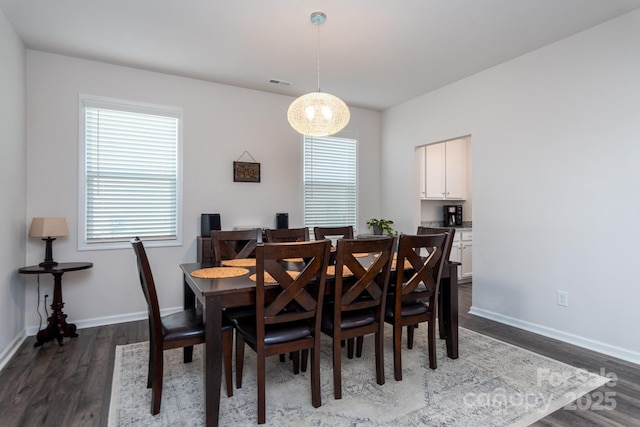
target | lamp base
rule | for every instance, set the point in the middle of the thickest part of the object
(48, 264)
(48, 254)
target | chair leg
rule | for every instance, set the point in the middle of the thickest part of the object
(359, 343)
(188, 354)
(316, 397)
(151, 356)
(156, 383)
(295, 357)
(239, 359)
(432, 344)
(261, 388)
(282, 358)
(379, 342)
(337, 368)
(227, 350)
(397, 352)
(441, 321)
(150, 367)
(410, 336)
(304, 360)
(350, 348)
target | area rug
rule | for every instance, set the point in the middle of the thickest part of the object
(492, 383)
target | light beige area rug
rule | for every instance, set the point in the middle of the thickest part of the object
(492, 383)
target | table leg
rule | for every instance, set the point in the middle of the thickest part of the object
(57, 326)
(212, 359)
(449, 307)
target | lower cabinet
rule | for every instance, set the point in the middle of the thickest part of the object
(461, 252)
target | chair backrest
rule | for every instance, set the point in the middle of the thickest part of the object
(149, 290)
(296, 295)
(449, 231)
(367, 284)
(234, 244)
(321, 232)
(283, 235)
(426, 271)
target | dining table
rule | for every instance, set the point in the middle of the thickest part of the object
(217, 294)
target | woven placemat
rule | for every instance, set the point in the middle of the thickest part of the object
(219, 272)
(240, 262)
(269, 279)
(407, 264)
(331, 271)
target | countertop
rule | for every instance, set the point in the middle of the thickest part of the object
(465, 224)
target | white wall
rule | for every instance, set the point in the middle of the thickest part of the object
(555, 139)
(12, 185)
(220, 123)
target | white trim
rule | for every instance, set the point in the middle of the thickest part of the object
(9, 351)
(109, 320)
(85, 100)
(565, 337)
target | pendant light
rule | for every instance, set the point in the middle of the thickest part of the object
(318, 113)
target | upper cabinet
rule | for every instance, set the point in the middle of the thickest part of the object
(443, 170)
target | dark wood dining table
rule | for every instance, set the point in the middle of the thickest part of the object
(218, 294)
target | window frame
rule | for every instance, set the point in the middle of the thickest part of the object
(85, 101)
(345, 138)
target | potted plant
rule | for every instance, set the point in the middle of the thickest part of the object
(381, 225)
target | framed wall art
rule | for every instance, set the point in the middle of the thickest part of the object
(246, 171)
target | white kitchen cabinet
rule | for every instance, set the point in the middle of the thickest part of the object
(420, 165)
(461, 251)
(445, 171)
(467, 259)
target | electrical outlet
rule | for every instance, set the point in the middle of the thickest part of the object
(563, 298)
(46, 292)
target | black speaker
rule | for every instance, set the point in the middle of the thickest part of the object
(209, 222)
(282, 220)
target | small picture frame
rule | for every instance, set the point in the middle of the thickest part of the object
(246, 172)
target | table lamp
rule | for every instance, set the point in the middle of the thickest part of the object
(48, 229)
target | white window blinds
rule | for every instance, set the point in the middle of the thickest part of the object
(131, 172)
(330, 184)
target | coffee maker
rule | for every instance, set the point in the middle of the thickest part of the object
(452, 215)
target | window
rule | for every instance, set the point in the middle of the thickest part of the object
(130, 177)
(330, 184)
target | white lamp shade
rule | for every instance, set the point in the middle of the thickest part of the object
(318, 114)
(48, 227)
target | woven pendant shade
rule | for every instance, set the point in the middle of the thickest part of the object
(318, 114)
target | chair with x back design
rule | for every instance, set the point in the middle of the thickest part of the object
(288, 310)
(413, 300)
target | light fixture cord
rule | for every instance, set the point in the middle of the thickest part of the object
(318, 57)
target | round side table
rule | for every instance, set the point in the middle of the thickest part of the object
(57, 326)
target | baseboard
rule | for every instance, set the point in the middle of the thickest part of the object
(11, 349)
(577, 340)
(108, 320)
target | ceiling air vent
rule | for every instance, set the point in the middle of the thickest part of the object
(279, 82)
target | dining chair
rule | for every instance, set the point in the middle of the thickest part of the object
(288, 310)
(448, 244)
(345, 231)
(234, 244)
(237, 244)
(182, 329)
(281, 235)
(413, 299)
(359, 296)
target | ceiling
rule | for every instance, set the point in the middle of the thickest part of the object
(373, 53)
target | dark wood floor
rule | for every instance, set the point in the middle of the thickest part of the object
(71, 385)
